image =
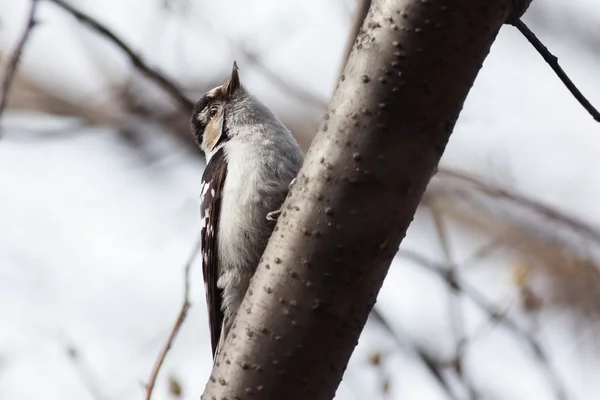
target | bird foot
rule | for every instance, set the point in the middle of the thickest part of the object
(273, 215)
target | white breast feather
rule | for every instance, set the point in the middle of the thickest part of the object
(258, 174)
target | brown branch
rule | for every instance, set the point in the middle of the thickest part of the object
(178, 323)
(135, 59)
(582, 228)
(552, 61)
(13, 62)
(549, 242)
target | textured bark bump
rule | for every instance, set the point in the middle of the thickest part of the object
(386, 128)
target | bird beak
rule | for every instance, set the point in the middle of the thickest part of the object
(232, 84)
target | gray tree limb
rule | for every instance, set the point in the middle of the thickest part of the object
(388, 123)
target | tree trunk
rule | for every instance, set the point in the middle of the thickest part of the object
(388, 123)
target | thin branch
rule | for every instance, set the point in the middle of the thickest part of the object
(565, 221)
(495, 314)
(485, 250)
(178, 323)
(434, 368)
(455, 307)
(13, 62)
(552, 61)
(285, 85)
(165, 350)
(135, 59)
(257, 60)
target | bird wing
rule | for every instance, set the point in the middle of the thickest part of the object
(213, 180)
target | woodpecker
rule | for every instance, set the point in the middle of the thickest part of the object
(252, 159)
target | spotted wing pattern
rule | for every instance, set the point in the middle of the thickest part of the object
(213, 181)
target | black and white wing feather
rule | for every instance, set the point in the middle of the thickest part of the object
(213, 180)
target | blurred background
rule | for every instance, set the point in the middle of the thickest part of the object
(494, 294)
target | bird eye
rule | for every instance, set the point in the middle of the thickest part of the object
(213, 111)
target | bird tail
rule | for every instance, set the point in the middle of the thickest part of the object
(221, 341)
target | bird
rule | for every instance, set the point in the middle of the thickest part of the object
(252, 161)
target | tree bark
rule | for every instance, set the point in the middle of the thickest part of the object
(360, 13)
(388, 123)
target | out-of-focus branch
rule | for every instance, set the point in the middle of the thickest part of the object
(549, 213)
(552, 61)
(455, 308)
(289, 88)
(131, 100)
(135, 59)
(166, 348)
(86, 374)
(185, 306)
(306, 97)
(453, 281)
(549, 243)
(13, 62)
(434, 368)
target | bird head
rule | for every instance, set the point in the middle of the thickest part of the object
(211, 113)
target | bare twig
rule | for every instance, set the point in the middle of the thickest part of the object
(165, 350)
(560, 249)
(495, 314)
(582, 228)
(485, 250)
(13, 62)
(135, 59)
(334, 262)
(178, 323)
(284, 85)
(434, 368)
(552, 61)
(288, 87)
(455, 308)
(457, 317)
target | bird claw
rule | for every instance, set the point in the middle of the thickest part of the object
(273, 215)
